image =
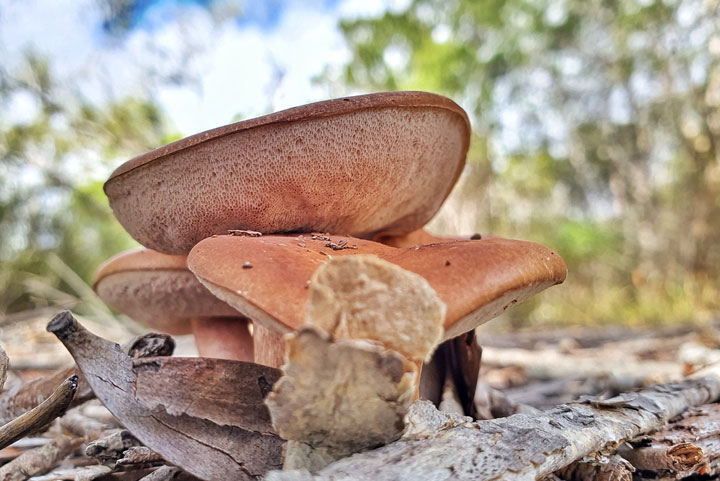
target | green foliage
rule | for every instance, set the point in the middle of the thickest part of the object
(55, 220)
(598, 131)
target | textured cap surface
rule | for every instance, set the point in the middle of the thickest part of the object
(157, 290)
(476, 279)
(380, 163)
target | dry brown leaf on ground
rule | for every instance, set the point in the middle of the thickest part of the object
(199, 414)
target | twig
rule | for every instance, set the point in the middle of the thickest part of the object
(36, 418)
(37, 461)
(681, 457)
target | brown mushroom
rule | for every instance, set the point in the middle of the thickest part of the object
(417, 237)
(365, 165)
(159, 292)
(476, 279)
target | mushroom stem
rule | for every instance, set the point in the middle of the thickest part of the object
(223, 338)
(269, 346)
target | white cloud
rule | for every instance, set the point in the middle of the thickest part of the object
(234, 69)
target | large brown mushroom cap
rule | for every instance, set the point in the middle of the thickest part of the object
(380, 163)
(157, 290)
(476, 279)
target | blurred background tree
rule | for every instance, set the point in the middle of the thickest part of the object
(55, 221)
(595, 132)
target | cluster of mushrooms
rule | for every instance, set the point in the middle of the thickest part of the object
(276, 239)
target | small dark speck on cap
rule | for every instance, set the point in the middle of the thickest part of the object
(476, 237)
(447, 263)
(247, 265)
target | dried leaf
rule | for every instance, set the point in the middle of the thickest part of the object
(342, 396)
(14, 402)
(227, 389)
(178, 422)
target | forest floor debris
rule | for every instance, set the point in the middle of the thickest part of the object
(520, 374)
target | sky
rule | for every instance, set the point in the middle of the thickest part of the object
(249, 58)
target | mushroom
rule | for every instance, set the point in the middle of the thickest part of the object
(476, 279)
(159, 292)
(365, 165)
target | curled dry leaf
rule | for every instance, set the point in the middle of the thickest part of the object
(341, 396)
(200, 414)
(365, 297)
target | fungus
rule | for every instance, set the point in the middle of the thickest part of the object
(483, 277)
(159, 292)
(366, 165)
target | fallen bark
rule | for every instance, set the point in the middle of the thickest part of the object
(459, 359)
(602, 468)
(14, 402)
(521, 447)
(37, 461)
(39, 417)
(463, 358)
(678, 458)
(688, 445)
